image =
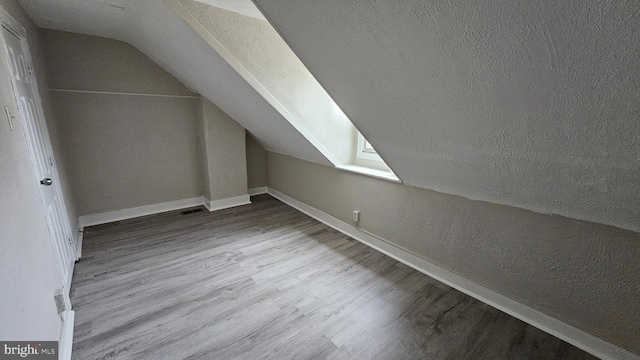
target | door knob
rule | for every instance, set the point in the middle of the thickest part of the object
(46, 181)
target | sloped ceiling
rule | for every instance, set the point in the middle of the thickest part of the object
(244, 7)
(153, 28)
(257, 52)
(534, 104)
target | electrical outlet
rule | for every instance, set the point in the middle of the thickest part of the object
(356, 215)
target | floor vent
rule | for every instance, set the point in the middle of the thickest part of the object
(192, 211)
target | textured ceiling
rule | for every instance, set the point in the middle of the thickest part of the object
(534, 104)
(153, 28)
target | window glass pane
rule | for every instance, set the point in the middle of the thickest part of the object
(368, 148)
(367, 145)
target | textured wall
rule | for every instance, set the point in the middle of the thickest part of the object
(533, 104)
(123, 150)
(256, 164)
(224, 153)
(584, 273)
(28, 270)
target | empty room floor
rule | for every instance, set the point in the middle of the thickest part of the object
(265, 281)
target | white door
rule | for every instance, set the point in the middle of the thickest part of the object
(42, 159)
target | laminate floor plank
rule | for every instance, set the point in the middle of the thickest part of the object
(264, 281)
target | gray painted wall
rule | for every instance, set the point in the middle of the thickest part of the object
(256, 163)
(533, 104)
(202, 149)
(224, 155)
(129, 151)
(584, 273)
(28, 270)
(81, 62)
(123, 150)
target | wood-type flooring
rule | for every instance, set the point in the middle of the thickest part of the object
(265, 281)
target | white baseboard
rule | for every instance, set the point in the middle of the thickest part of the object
(68, 281)
(213, 205)
(579, 338)
(117, 215)
(111, 216)
(79, 239)
(65, 344)
(257, 191)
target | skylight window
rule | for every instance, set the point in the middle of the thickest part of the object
(238, 32)
(365, 150)
(366, 161)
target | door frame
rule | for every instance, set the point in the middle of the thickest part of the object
(8, 22)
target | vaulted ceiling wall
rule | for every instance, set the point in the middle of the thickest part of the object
(257, 52)
(529, 104)
(153, 28)
(534, 104)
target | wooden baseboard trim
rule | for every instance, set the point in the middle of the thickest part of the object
(257, 191)
(213, 205)
(79, 239)
(556, 327)
(65, 345)
(117, 215)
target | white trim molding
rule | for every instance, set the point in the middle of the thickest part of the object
(366, 171)
(79, 239)
(579, 338)
(65, 346)
(111, 216)
(213, 205)
(125, 93)
(123, 214)
(362, 152)
(257, 191)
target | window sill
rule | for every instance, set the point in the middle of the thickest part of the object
(375, 173)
